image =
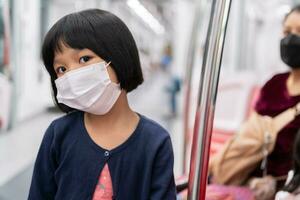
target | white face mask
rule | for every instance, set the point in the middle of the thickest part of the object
(88, 89)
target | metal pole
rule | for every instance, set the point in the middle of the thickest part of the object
(207, 99)
(197, 24)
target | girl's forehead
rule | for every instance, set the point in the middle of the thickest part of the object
(63, 48)
(65, 51)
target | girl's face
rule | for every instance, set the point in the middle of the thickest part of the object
(291, 24)
(69, 59)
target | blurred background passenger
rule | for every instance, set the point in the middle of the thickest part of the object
(278, 97)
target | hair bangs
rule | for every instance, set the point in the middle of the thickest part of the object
(73, 31)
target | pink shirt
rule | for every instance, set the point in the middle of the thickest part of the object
(104, 189)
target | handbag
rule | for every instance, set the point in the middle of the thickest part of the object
(251, 144)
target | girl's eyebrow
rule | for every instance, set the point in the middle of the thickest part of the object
(55, 61)
(86, 51)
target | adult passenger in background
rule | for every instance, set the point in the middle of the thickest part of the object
(270, 130)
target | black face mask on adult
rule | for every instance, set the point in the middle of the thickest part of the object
(290, 50)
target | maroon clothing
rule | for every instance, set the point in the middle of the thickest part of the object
(274, 98)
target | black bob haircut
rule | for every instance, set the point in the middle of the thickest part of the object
(103, 33)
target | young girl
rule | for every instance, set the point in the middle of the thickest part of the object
(101, 149)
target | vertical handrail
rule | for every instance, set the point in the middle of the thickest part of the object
(198, 16)
(207, 98)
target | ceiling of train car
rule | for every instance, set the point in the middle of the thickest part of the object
(162, 9)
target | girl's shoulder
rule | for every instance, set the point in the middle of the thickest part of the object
(67, 123)
(62, 131)
(153, 130)
(72, 118)
(153, 139)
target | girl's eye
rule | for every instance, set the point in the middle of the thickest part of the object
(84, 59)
(61, 70)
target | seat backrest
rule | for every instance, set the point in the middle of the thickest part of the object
(235, 102)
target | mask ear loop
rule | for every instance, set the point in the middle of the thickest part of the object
(107, 65)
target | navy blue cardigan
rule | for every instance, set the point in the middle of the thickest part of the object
(69, 163)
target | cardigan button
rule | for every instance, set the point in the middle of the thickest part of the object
(106, 153)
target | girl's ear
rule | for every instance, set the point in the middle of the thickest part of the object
(112, 74)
